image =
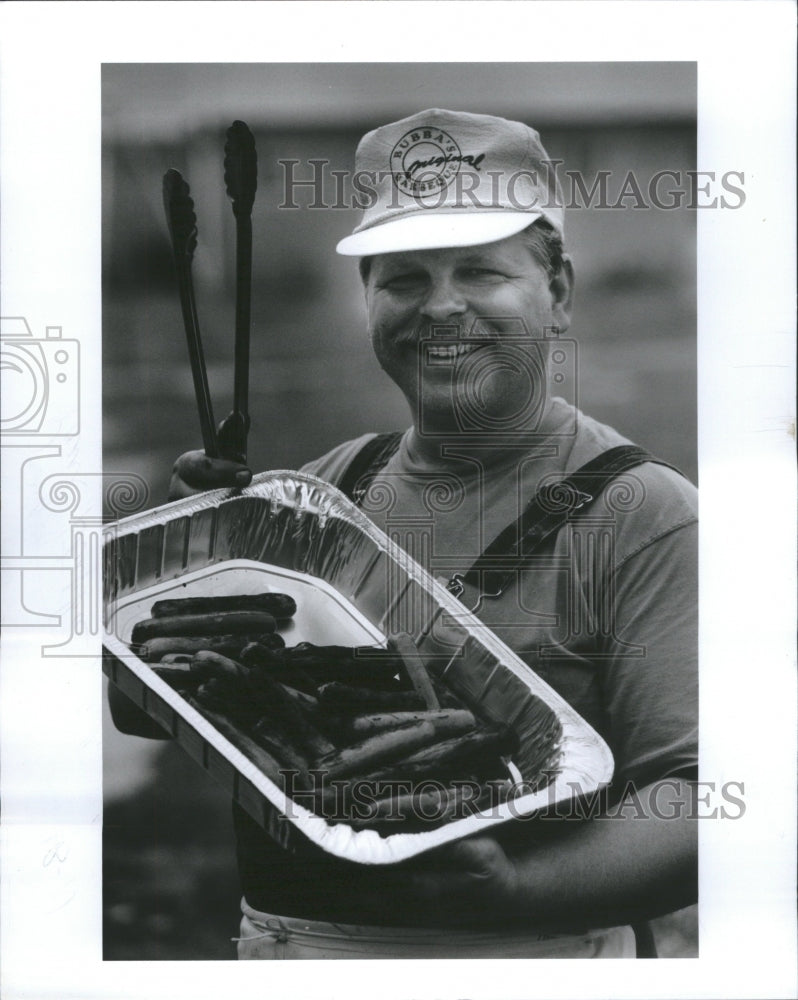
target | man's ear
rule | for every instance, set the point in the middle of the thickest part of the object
(561, 287)
(364, 267)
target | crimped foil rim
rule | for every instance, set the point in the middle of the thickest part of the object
(308, 493)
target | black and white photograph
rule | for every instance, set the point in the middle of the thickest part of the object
(355, 528)
(496, 294)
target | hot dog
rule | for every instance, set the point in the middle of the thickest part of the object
(223, 623)
(228, 645)
(277, 605)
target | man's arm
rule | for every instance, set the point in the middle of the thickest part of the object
(638, 860)
(635, 862)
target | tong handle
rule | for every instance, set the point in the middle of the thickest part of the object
(182, 223)
(241, 181)
(240, 168)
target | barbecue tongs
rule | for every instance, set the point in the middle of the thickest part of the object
(241, 181)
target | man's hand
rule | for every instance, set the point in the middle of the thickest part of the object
(194, 473)
(469, 879)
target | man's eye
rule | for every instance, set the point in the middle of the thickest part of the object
(482, 274)
(403, 282)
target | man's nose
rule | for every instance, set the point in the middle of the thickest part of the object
(443, 300)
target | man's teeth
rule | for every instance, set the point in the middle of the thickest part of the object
(451, 350)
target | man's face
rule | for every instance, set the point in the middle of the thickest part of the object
(493, 301)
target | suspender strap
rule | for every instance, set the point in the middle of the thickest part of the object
(367, 463)
(543, 516)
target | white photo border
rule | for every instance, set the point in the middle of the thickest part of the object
(50, 708)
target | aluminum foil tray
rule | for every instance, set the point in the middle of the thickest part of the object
(296, 534)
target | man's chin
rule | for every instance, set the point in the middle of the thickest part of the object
(443, 406)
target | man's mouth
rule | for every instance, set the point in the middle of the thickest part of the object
(449, 352)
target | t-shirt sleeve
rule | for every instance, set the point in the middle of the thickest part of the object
(333, 464)
(651, 673)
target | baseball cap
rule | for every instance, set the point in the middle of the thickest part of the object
(449, 179)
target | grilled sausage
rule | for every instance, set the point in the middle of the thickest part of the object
(277, 605)
(223, 623)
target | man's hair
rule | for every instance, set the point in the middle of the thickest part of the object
(546, 246)
(540, 238)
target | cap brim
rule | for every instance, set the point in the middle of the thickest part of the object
(436, 230)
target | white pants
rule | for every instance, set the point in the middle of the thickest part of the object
(268, 936)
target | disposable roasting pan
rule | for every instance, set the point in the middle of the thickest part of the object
(296, 534)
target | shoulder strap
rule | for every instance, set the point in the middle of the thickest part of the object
(367, 463)
(542, 518)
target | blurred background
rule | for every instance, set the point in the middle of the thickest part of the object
(170, 885)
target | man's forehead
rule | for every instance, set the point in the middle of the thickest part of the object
(480, 252)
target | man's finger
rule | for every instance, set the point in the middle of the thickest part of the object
(203, 473)
(476, 856)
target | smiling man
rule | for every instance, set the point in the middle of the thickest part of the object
(469, 293)
(454, 304)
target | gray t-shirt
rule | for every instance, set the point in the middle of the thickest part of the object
(607, 615)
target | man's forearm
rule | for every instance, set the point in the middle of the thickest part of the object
(637, 862)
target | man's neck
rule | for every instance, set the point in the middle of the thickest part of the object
(451, 447)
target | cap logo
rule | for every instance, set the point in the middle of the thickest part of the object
(426, 160)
